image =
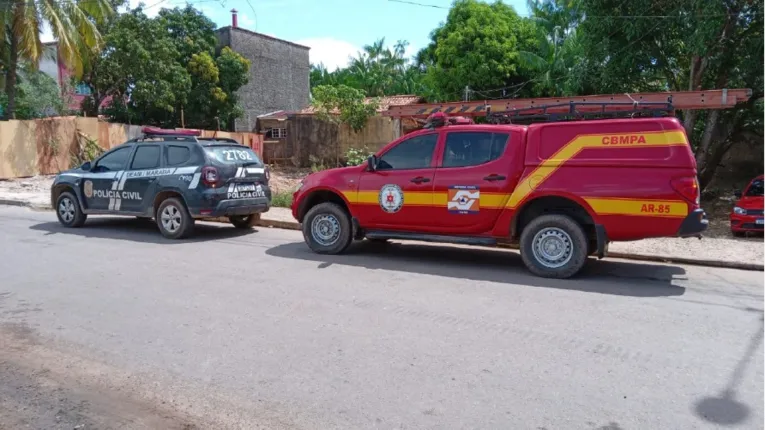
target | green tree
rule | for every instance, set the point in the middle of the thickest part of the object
(378, 70)
(343, 104)
(180, 80)
(642, 45)
(478, 46)
(558, 50)
(137, 69)
(72, 22)
(37, 95)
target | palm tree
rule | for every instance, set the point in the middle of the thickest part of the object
(73, 24)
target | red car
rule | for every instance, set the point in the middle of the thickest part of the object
(747, 213)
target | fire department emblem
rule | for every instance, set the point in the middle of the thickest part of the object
(391, 198)
(464, 199)
(88, 189)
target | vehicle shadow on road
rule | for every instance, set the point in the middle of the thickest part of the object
(504, 266)
(140, 230)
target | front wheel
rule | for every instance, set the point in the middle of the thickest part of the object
(244, 221)
(327, 229)
(173, 220)
(68, 210)
(554, 246)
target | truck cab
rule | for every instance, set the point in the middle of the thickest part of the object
(560, 190)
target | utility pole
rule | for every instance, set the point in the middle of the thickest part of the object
(467, 93)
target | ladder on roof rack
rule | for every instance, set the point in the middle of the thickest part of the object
(573, 111)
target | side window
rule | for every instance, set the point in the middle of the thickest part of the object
(114, 160)
(473, 148)
(176, 155)
(146, 157)
(415, 153)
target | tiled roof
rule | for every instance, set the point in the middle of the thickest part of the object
(385, 102)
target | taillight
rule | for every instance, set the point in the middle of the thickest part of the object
(267, 172)
(688, 188)
(209, 175)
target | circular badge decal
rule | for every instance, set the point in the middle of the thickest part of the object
(391, 198)
(88, 189)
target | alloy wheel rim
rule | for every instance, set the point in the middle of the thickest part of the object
(171, 218)
(66, 210)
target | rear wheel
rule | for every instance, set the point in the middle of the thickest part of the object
(173, 219)
(244, 221)
(68, 210)
(327, 229)
(554, 246)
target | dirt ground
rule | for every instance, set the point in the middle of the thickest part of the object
(40, 388)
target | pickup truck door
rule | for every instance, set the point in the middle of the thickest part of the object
(399, 193)
(476, 176)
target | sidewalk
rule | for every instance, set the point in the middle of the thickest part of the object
(715, 252)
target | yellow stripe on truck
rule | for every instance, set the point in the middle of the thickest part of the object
(612, 206)
(603, 141)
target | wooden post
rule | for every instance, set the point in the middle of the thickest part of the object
(183, 122)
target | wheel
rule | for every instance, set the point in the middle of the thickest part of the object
(68, 210)
(244, 221)
(554, 246)
(173, 219)
(327, 229)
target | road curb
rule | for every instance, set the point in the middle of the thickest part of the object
(291, 225)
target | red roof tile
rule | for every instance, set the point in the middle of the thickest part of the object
(385, 102)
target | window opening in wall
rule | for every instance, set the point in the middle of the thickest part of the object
(276, 133)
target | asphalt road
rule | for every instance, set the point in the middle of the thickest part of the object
(111, 326)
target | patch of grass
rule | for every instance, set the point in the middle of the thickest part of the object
(282, 199)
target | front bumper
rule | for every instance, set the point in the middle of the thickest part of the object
(694, 224)
(744, 223)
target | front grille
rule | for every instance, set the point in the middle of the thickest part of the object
(751, 226)
(754, 211)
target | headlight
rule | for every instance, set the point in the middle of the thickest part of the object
(738, 211)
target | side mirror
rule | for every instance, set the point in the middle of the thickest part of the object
(86, 166)
(372, 163)
(737, 193)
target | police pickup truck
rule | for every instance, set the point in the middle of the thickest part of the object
(172, 176)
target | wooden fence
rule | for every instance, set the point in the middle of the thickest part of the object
(45, 146)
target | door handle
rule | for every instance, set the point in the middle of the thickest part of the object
(419, 180)
(494, 177)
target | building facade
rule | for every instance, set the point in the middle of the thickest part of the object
(279, 73)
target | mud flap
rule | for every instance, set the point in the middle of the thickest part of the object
(602, 239)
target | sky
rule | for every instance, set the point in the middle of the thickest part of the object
(333, 29)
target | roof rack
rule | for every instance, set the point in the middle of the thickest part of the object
(574, 111)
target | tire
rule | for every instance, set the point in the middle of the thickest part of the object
(68, 210)
(561, 230)
(173, 219)
(327, 216)
(244, 221)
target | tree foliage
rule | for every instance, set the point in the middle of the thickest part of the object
(690, 45)
(479, 47)
(73, 23)
(344, 104)
(164, 71)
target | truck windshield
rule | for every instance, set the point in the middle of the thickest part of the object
(233, 155)
(755, 189)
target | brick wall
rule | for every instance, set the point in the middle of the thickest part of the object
(279, 74)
